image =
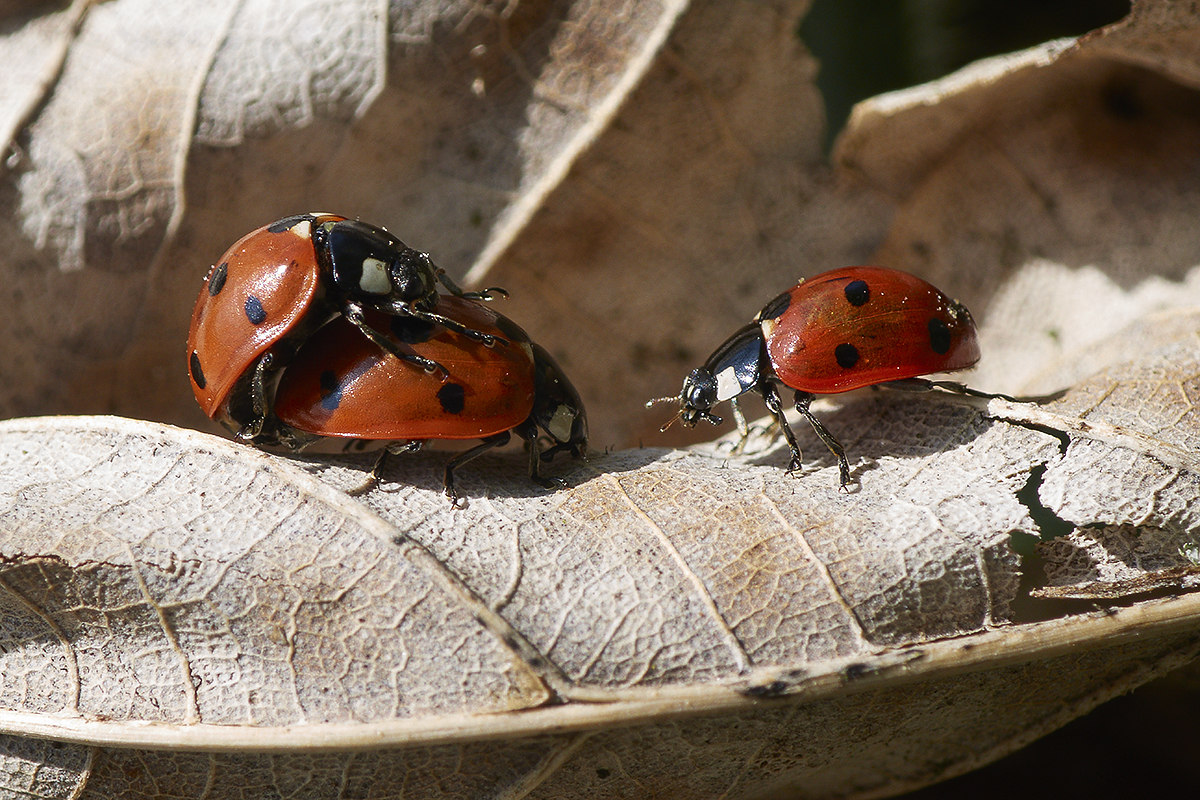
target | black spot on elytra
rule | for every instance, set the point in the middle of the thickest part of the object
(602, 773)
(857, 293)
(775, 308)
(331, 390)
(846, 355)
(411, 330)
(216, 281)
(255, 311)
(939, 336)
(453, 398)
(287, 223)
(197, 373)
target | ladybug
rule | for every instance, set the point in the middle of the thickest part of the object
(278, 284)
(341, 386)
(840, 330)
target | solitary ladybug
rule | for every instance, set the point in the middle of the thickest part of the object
(840, 330)
(339, 385)
(281, 282)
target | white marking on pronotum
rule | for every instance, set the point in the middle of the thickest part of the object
(728, 384)
(560, 423)
(303, 229)
(374, 278)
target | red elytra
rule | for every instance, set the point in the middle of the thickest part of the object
(341, 385)
(271, 275)
(859, 326)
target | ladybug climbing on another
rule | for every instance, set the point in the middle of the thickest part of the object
(278, 284)
(341, 386)
(840, 330)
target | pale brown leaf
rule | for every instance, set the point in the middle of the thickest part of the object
(184, 615)
(670, 622)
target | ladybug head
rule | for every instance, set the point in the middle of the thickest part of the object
(369, 264)
(733, 369)
(697, 398)
(557, 407)
(414, 277)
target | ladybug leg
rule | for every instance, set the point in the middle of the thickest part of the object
(377, 470)
(563, 447)
(922, 385)
(457, 327)
(467, 455)
(354, 313)
(958, 388)
(529, 432)
(742, 427)
(258, 400)
(293, 439)
(775, 406)
(962, 388)
(490, 293)
(803, 399)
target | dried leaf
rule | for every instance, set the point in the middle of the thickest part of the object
(185, 615)
(1066, 153)
(167, 589)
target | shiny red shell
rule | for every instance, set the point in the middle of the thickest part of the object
(859, 326)
(343, 385)
(257, 293)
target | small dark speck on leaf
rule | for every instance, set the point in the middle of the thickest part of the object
(772, 689)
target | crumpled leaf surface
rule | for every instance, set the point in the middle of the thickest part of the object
(164, 588)
(185, 615)
(1134, 472)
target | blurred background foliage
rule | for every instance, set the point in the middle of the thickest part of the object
(868, 47)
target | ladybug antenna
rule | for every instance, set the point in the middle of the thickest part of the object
(671, 421)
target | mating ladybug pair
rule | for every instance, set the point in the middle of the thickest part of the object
(320, 326)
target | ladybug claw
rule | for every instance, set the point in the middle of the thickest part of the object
(249, 431)
(370, 483)
(490, 293)
(434, 368)
(550, 483)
